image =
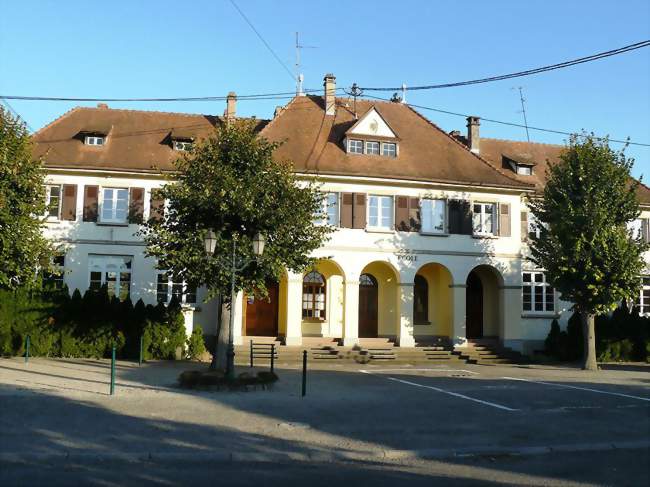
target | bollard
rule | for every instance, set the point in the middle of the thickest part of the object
(141, 346)
(304, 373)
(27, 342)
(251, 343)
(113, 370)
(272, 355)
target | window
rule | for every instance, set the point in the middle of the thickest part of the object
(55, 279)
(538, 295)
(114, 271)
(644, 296)
(167, 288)
(372, 148)
(355, 147)
(182, 145)
(484, 218)
(524, 170)
(313, 296)
(389, 149)
(533, 226)
(114, 205)
(53, 200)
(329, 210)
(380, 212)
(420, 300)
(432, 214)
(94, 140)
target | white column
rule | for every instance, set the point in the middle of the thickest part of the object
(459, 298)
(351, 312)
(405, 336)
(238, 321)
(510, 313)
(294, 310)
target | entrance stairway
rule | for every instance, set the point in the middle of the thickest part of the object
(487, 351)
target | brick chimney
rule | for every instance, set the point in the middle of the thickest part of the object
(231, 107)
(329, 82)
(473, 137)
(102, 105)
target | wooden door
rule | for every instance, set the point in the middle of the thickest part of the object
(474, 306)
(262, 314)
(368, 304)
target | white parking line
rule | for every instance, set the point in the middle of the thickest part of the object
(579, 388)
(366, 371)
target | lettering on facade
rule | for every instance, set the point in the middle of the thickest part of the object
(406, 256)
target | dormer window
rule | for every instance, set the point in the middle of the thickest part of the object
(524, 170)
(95, 140)
(372, 148)
(182, 145)
(389, 149)
(355, 146)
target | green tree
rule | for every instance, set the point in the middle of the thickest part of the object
(231, 183)
(23, 248)
(584, 245)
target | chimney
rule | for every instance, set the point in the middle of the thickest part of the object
(231, 106)
(473, 137)
(330, 94)
(102, 105)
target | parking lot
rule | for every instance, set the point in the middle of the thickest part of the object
(60, 411)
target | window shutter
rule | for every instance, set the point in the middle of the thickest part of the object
(402, 214)
(136, 205)
(504, 220)
(524, 226)
(347, 200)
(414, 214)
(69, 203)
(455, 221)
(156, 206)
(466, 227)
(359, 211)
(91, 198)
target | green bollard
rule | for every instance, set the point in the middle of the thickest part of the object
(113, 371)
(27, 343)
(304, 373)
(141, 346)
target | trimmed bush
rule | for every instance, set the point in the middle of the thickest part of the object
(195, 344)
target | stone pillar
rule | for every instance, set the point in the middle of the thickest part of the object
(238, 322)
(459, 299)
(351, 312)
(294, 310)
(405, 336)
(511, 307)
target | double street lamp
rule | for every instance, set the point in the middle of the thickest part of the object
(210, 243)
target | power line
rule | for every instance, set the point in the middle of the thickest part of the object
(511, 124)
(277, 58)
(528, 72)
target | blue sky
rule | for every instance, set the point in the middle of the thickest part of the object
(202, 48)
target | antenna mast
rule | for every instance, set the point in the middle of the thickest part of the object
(299, 76)
(523, 111)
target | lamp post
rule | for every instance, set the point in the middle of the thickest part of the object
(210, 244)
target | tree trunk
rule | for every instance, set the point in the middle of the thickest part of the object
(220, 357)
(589, 334)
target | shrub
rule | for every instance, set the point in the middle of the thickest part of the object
(195, 344)
(615, 350)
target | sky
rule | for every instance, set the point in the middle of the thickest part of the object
(148, 49)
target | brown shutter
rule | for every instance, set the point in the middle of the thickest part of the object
(402, 214)
(414, 214)
(91, 194)
(347, 201)
(69, 203)
(504, 220)
(460, 217)
(524, 226)
(156, 206)
(136, 205)
(359, 211)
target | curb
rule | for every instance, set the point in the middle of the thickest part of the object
(377, 456)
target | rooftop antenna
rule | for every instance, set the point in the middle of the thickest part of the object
(299, 76)
(523, 110)
(355, 91)
(403, 92)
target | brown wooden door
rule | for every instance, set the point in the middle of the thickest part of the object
(474, 306)
(262, 314)
(368, 292)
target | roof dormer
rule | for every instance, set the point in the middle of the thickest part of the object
(371, 135)
(521, 165)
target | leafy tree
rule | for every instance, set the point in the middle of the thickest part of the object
(231, 183)
(23, 248)
(584, 245)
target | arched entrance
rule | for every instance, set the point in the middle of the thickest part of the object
(432, 302)
(261, 314)
(474, 306)
(368, 306)
(483, 317)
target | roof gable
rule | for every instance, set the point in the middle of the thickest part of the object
(372, 124)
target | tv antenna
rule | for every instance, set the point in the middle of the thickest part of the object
(299, 76)
(523, 109)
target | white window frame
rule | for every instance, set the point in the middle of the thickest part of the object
(170, 284)
(113, 217)
(482, 217)
(532, 285)
(524, 170)
(57, 278)
(48, 189)
(635, 228)
(95, 140)
(355, 142)
(380, 212)
(119, 264)
(423, 218)
(182, 145)
(366, 147)
(389, 144)
(644, 302)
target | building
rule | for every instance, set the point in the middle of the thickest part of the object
(431, 226)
